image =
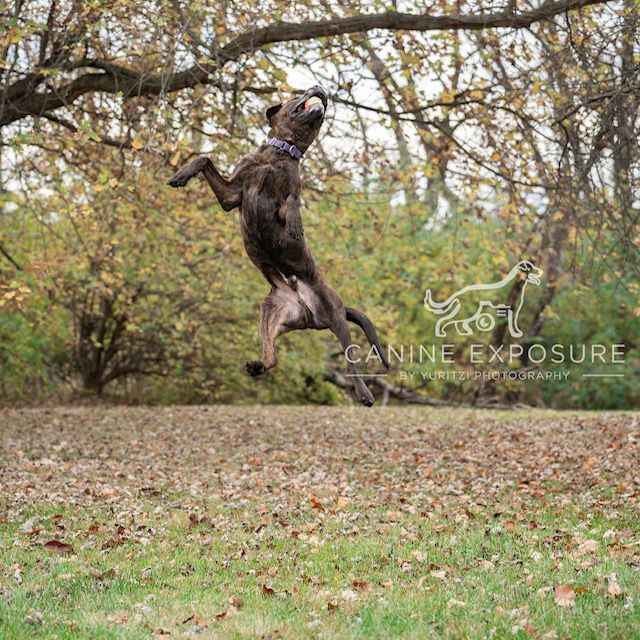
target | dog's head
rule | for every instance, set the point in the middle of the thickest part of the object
(530, 272)
(298, 120)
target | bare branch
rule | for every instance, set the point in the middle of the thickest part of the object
(23, 98)
(7, 255)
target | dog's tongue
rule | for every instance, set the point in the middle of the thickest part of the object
(311, 101)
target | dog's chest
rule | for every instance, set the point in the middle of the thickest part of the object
(264, 194)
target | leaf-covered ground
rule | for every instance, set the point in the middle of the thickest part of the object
(289, 522)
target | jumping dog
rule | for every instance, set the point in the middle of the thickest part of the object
(266, 187)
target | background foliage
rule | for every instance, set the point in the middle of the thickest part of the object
(448, 155)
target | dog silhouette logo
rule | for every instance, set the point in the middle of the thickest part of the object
(486, 307)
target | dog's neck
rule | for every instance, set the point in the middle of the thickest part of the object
(285, 146)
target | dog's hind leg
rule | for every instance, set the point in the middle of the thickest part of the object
(328, 312)
(339, 327)
(280, 312)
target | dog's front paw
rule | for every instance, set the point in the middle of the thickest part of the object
(179, 180)
(295, 230)
(254, 368)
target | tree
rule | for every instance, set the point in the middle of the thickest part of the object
(450, 128)
(65, 63)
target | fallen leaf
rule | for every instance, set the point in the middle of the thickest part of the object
(28, 525)
(56, 546)
(34, 532)
(393, 516)
(34, 618)
(111, 543)
(614, 589)
(564, 596)
(456, 603)
(119, 617)
(361, 585)
(102, 575)
(588, 546)
(418, 556)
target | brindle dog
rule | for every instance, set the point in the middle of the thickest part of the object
(266, 186)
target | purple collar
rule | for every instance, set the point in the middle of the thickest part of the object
(291, 149)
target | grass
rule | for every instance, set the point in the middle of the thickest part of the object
(245, 523)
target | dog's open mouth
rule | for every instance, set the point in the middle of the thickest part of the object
(312, 104)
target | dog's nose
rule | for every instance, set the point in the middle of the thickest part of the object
(317, 89)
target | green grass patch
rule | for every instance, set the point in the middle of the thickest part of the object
(224, 572)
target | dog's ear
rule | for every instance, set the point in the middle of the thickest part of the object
(271, 111)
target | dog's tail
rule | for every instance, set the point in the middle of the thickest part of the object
(353, 315)
(438, 307)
